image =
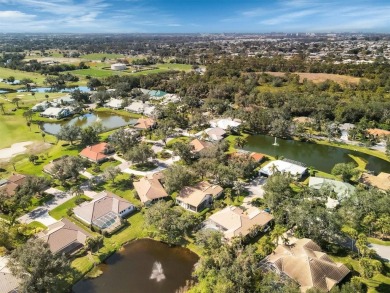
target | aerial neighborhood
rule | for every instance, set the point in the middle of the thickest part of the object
(234, 165)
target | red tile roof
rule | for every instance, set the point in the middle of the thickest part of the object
(95, 152)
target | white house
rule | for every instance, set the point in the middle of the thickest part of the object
(65, 100)
(118, 66)
(41, 106)
(57, 113)
(114, 104)
(225, 123)
(295, 170)
(141, 108)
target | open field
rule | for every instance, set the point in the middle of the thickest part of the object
(6, 72)
(99, 56)
(321, 77)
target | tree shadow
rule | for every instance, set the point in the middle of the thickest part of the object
(123, 184)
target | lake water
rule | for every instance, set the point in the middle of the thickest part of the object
(143, 266)
(48, 89)
(321, 157)
(108, 121)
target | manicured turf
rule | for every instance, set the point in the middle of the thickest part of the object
(95, 72)
(60, 211)
(5, 73)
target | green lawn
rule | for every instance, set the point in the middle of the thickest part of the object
(378, 241)
(95, 72)
(99, 56)
(60, 211)
(18, 74)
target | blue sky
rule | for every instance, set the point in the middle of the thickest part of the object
(204, 16)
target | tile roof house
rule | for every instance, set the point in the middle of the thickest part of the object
(257, 157)
(196, 198)
(49, 167)
(341, 189)
(149, 189)
(105, 211)
(145, 123)
(141, 108)
(114, 104)
(235, 221)
(96, 153)
(57, 113)
(304, 262)
(64, 237)
(199, 145)
(10, 185)
(8, 282)
(216, 133)
(378, 132)
(225, 123)
(381, 181)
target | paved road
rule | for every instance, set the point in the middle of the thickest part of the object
(381, 250)
(41, 214)
(162, 165)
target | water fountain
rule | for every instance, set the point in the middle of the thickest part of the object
(275, 143)
(157, 272)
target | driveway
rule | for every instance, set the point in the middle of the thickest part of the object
(381, 250)
(41, 214)
(255, 189)
(161, 166)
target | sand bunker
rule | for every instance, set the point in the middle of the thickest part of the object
(15, 149)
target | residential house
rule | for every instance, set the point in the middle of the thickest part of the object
(56, 113)
(378, 133)
(145, 123)
(342, 190)
(381, 181)
(64, 237)
(304, 262)
(118, 66)
(97, 153)
(156, 95)
(257, 157)
(215, 134)
(49, 167)
(196, 198)
(65, 101)
(225, 123)
(150, 189)
(238, 222)
(10, 185)
(40, 107)
(105, 211)
(141, 108)
(8, 282)
(199, 145)
(114, 104)
(295, 170)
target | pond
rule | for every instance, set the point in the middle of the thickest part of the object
(142, 266)
(108, 120)
(48, 89)
(321, 157)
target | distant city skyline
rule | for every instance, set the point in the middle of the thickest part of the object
(194, 16)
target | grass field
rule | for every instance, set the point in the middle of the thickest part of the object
(99, 56)
(60, 211)
(5, 72)
(321, 77)
(94, 72)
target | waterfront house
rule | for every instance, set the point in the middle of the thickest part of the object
(115, 104)
(145, 123)
(64, 237)
(105, 211)
(295, 170)
(56, 113)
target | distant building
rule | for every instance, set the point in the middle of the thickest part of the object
(114, 104)
(295, 170)
(215, 134)
(141, 108)
(40, 107)
(199, 145)
(118, 66)
(145, 123)
(225, 123)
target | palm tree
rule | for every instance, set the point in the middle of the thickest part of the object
(43, 136)
(2, 108)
